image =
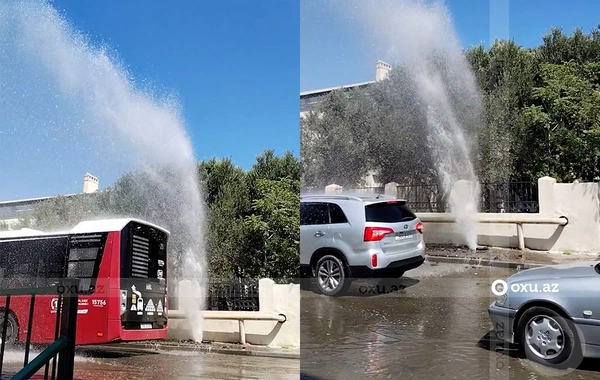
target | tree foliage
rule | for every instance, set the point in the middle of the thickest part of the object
(252, 216)
(540, 117)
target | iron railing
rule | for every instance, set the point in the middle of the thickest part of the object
(62, 351)
(233, 295)
(423, 198)
(510, 197)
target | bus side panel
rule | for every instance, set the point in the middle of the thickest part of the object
(93, 312)
(114, 290)
(44, 317)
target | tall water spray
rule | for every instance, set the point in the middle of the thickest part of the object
(61, 96)
(422, 40)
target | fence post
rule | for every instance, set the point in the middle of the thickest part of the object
(333, 189)
(242, 331)
(520, 236)
(68, 329)
(546, 195)
(265, 294)
(391, 189)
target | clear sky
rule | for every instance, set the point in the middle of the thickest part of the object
(336, 51)
(232, 63)
(233, 66)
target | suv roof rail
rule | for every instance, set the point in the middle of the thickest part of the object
(347, 197)
(382, 197)
(332, 196)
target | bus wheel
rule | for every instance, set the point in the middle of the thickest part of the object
(12, 329)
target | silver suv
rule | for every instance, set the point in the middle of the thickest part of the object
(344, 237)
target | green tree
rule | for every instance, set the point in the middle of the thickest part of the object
(228, 201)
(252, 217)
(63, 212)
(273, 230)
(540, 117)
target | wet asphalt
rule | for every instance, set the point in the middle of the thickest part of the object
(171, 365)
(430, 324)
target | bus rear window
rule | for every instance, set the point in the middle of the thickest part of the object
(389, 213)
(145, 252)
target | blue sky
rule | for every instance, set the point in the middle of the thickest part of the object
(233, 66)
(348, 54)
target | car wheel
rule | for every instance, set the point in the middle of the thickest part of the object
(549, 339)
(12, 329)
(330, 276)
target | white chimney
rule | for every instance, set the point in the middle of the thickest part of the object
(90, 183)
(382, 70)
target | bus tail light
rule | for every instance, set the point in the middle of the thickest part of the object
(123, 301)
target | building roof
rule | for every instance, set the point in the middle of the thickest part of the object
(325, 91)
(311, 99)
(19, 208)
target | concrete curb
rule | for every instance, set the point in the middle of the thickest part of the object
(250, 351)
(484, 262)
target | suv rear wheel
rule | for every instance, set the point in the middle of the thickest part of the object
(330, 276)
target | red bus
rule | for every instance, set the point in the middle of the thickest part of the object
(122, 267)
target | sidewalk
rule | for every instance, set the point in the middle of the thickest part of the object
(215, 348)
(503, 257)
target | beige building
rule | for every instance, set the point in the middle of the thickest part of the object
(13, 211)
(309, 101)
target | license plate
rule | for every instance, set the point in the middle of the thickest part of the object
(403, 236)
(146, 325)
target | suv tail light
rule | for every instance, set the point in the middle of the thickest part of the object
(376, 233)
(419, 227)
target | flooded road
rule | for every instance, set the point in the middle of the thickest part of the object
(435, 328)
(172, 365)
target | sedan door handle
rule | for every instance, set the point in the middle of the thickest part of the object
(319, 233)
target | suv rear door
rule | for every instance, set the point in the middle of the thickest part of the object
(314, 229)
(398, 217)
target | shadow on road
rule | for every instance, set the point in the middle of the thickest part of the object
(378, 287)
(304, 376)
(369, 287)
(491, 343)
(102, 352)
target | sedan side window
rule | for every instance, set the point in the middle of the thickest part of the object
(313, 213)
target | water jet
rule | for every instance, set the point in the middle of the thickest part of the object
(66, 103)
(422, 41)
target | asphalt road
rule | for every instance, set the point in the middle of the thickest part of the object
(430, 324)
(172, 365)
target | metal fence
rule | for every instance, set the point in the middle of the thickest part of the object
(233, 295)
(510, 197)
(62, 351)
(424, 198)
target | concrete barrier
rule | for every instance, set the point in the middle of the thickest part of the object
(240, 316)
(500, 218)
(276, 324)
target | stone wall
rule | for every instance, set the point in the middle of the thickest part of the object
(273, 298)
(579, 202)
